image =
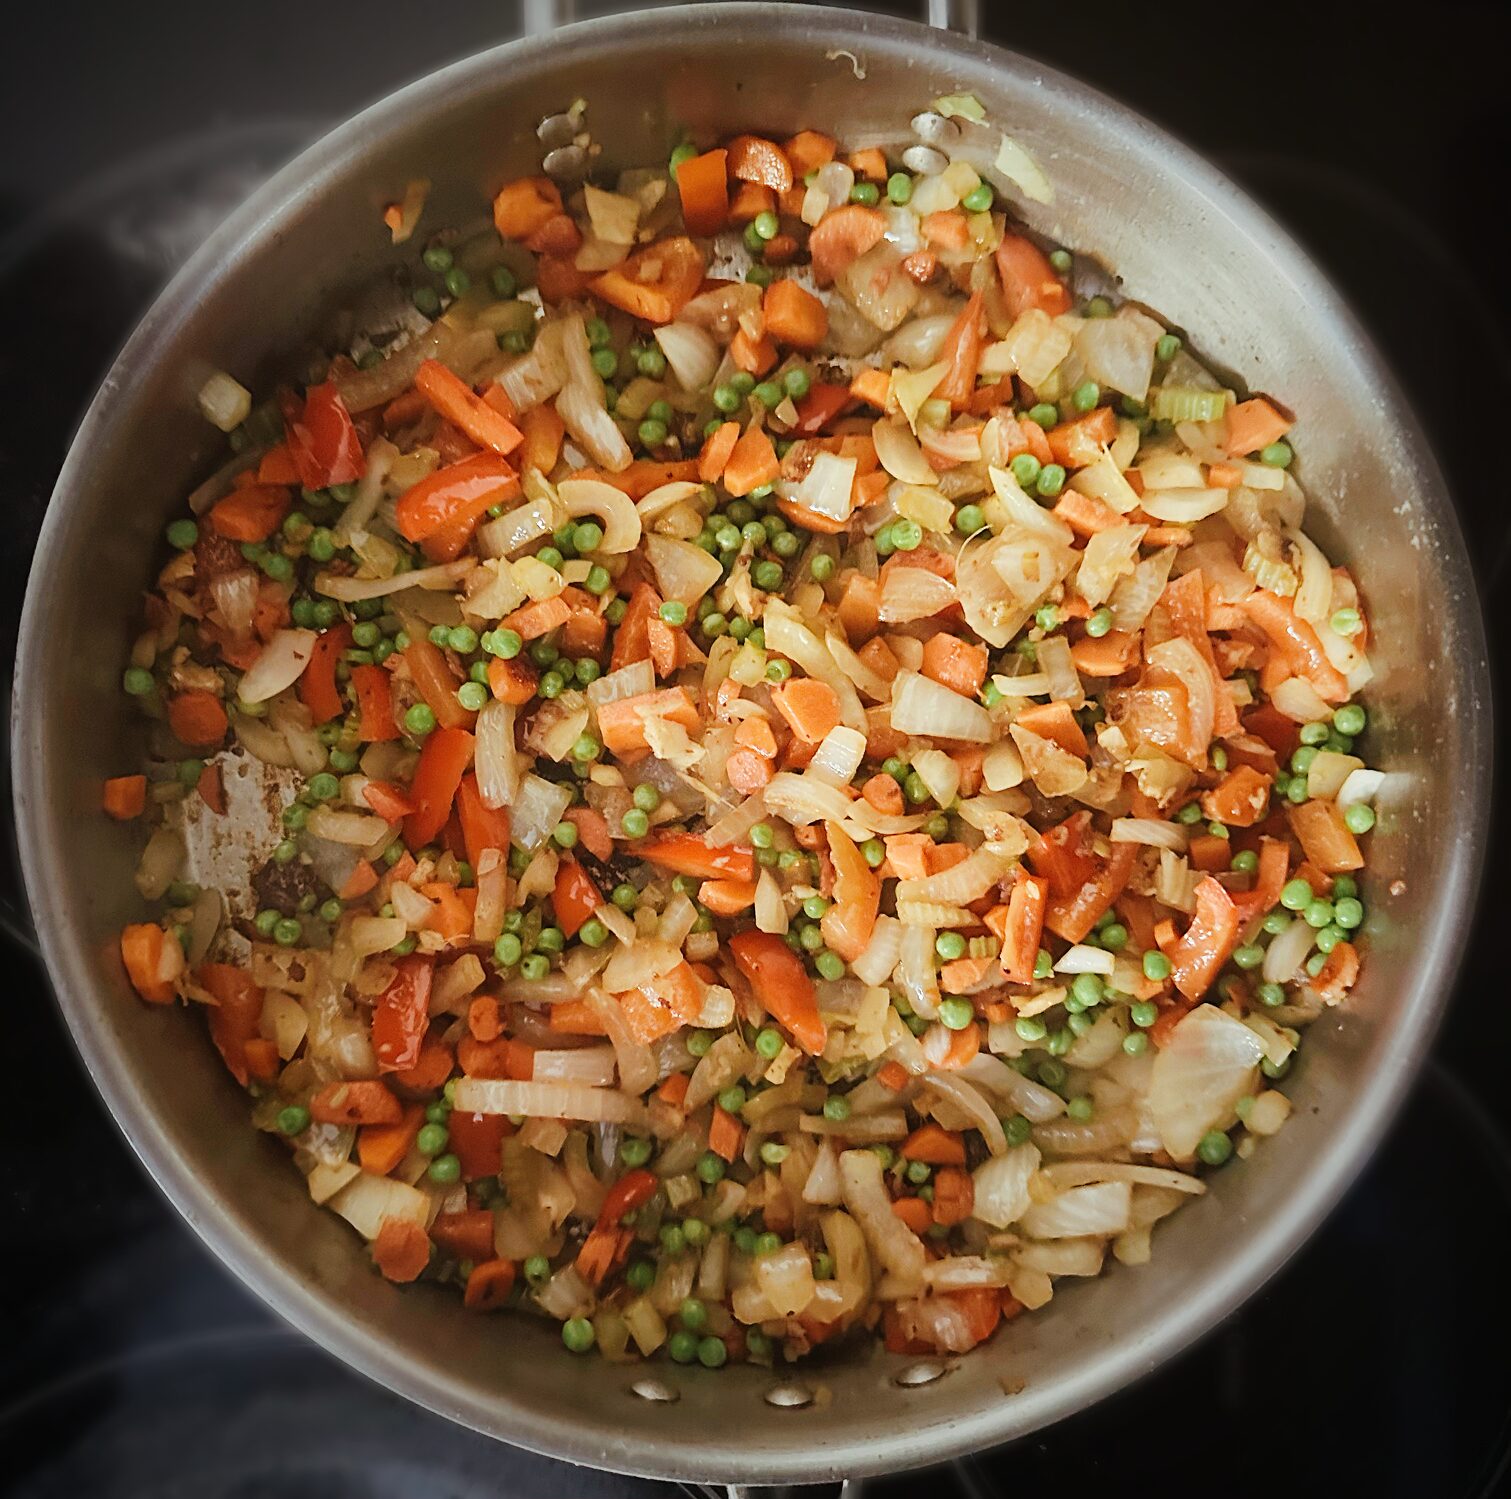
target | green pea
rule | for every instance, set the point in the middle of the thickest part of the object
(1079, 1108)
(1099, 307)
(432, 1139)
(1296, 895)
(949, 946)
(1144, 1013)
(1270, 995)
(1060, 261)
(874, 852)
(182, 534)
(1166, 347)
(1246, 861)
(1086, 395)
(767, 1243)
(797, 382)
(503, 280)
(1359, 818)
(1051, 480)
(769, 394)
(1317, 913)
(1276, 455)
(979, 199)
(138, 681)
(726, 398)
(1100, 622)
(822, 567)
(1249, 956)
(1114, 936)
(288, 932)
(768, 576)
(1214, 1148)
(1136, 1043)
(956, 1013)
(635, 823)
(1275, 922)
(968, 520)
(578, 1335)
(1030, 1028)
(709, 1168)
(899, 188)
(427, 300)
(534, 967)
(652, 433)
(508, 950)
(829, 965)
(778, 670)
(419, 720)
(1044, 415)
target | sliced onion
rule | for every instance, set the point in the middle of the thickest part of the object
(355, 829)
(969, 1100)
(279, 665)
(1207, 1063)
(444, 575)
(1285, 955)
(838, 756)
(770, 909)
(633, 967)
(910, 593)
(582, 412)
(962, 883)
(536, 376)
(923, 706)
(1150, 832)
(1080, 1212)
(537, 809)
(1118, 352)
(916, 344)
(1361, 786)
(517, 528)
(828, 487)
(916, 974)
(1110, 555)
(801, 799)
(786, 1279)
(628, 681)
(1001, 1186)
(621, 521)
(875, 964)
(494, 757)
(367, 1202)
(691, 353)
(892, 1242)
(592, 1066)
(684, 572)
(1136, 594)
(899, 453)
(1179, 657)
(1085, 959)
(479, 1095)
(235, 596)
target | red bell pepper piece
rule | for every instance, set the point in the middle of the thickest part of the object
(446, 755)
(632, 1191)
(686, 853)
(453, 497)
(782, 985)
(237, 1014)
(484, 423)
(482, 827)
(402, 1014)
(1198, 955)
(374, 704)
(575, 897)
(819, 407)
(476, 1141)
(1073, 916)
(322, 439)
(317, 685)
(1025, 928)
(391, 803)
(433, 676)
(1062, 856)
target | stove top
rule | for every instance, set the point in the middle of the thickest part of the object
(1370, 1360)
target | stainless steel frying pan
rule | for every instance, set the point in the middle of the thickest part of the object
(1180, 238)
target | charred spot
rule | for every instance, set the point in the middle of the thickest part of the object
(280, 887)
(215, 556)
(617, 870)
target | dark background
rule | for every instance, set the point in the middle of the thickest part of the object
(129, 1366)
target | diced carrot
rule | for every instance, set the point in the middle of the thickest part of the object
(1028, 279)
(725, 1134)
(503, 1058)
(915, 1212)
(702, 185)
(536, 619)
(1339, 973)
(754, 733)
(728, 897)
(197, 718)
(934, 1145)
(954, 1195)
(467, 1235)
(621, 724)
(1209, 853)
(1295, 640)
(359, 882)
(964, 974)
(872, 387)
(251, 513)
(523, 206)
(716, 451)
(883, 793)
(557, 279)
(810, 707)
(484, 1019)
(686, 853)
(1223, 475)
(1055, 722)
(380, 1147)
(142, 951)
(1252, 425)
(752, 158)
(278, 467)
(559, 235)
(753, 355)
(364, 1101)
(430, 1070)
(892, 1075)
(575, 896)
(656, 283)
(1109, 655)
(673, 1091)
(955, 663)
(752, 463)
(1085, 514)
(125, 797)
(842, 236)
(592, 831)
(922, 266)
(1325, 837)
(443, 760)
(807, 151)
(751, 199)
(859, 608)
(211, 787)
(747, 772)
(794, 316)
(489, 1285)
(947, 229)
(512, 681)
(401, 1250)
(1079, 442)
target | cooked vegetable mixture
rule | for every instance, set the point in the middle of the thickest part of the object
(818, 767)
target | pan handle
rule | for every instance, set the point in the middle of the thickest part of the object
(960, 16)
